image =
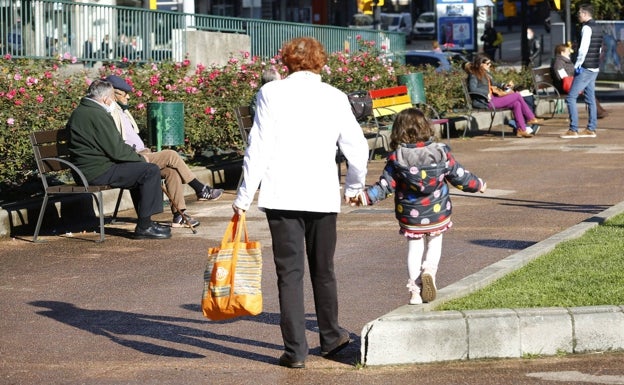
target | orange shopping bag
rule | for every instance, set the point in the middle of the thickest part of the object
(232, 280)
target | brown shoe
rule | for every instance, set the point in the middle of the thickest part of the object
(534, 121)
(587, 134)
(523, 134)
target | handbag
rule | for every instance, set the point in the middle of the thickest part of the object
(361, 104)
(567, 83)
(233, 275)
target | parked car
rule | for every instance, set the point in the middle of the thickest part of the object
(424, 25)
(398, 22)
(442, 61)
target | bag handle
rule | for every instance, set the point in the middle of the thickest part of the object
(236, 227)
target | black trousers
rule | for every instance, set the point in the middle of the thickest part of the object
(295, 234)
(143, 181)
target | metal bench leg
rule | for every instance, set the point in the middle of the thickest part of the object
(40, 219)
(114, 218)
(100, 202)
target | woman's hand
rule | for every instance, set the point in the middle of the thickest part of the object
(237, 210)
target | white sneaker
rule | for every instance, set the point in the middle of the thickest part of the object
(429, 289)
(415, 299)
(529, 130)
(415, 291)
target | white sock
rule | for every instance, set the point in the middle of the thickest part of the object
(432, 254)
(415, 251)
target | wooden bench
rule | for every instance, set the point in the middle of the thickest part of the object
(51, 152)
(387, 102)
(244, 118)
(52, 156)
(544, 90)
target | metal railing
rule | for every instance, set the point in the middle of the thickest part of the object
(92, 32)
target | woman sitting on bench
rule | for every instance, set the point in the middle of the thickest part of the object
(498, 95)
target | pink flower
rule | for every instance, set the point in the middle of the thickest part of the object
(17, 77)
(10, 121)
(8, 56)
(209, 110)
(39, 99)
(140, 106)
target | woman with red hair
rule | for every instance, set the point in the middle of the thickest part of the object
(291, 156)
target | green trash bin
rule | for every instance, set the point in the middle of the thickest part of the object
(165, 124)
(415, 86)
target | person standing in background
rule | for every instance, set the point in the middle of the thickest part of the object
(562, 73)
(586, 67)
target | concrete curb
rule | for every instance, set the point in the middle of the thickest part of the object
(430, 336)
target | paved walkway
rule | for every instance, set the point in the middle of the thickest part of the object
(127, 311)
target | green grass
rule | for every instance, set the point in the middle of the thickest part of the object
(587, 271)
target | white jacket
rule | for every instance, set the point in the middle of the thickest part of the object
(292, 147)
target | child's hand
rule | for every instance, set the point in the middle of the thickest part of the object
(359, 199)
(483, 186)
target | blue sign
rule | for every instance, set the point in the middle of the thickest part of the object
(455, 24)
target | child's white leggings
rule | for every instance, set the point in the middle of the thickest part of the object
(428, 246)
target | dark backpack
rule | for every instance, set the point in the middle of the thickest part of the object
(361, 104)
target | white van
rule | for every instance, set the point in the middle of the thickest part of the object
(398, 22)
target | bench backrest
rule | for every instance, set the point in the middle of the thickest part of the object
(390, 101)
(542, 78)
(50, 144)
(245, 120)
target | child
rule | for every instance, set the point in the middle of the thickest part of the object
(417, 172)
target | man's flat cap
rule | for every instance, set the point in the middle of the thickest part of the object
(118, 83)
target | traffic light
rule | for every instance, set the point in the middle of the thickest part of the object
(366, 6)
(555, 4)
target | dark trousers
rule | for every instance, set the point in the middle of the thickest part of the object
(295, 234)
(143, 181)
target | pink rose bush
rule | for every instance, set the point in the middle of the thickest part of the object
(40, 95)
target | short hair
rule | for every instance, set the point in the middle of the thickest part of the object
(560, 48)
(587, 8)
(99, 89)
(270, 74)
(304, 54)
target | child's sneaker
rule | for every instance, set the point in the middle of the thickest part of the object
(429, 289)
(415, 291)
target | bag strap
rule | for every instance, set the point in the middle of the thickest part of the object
(236, 227)
(234, 230)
